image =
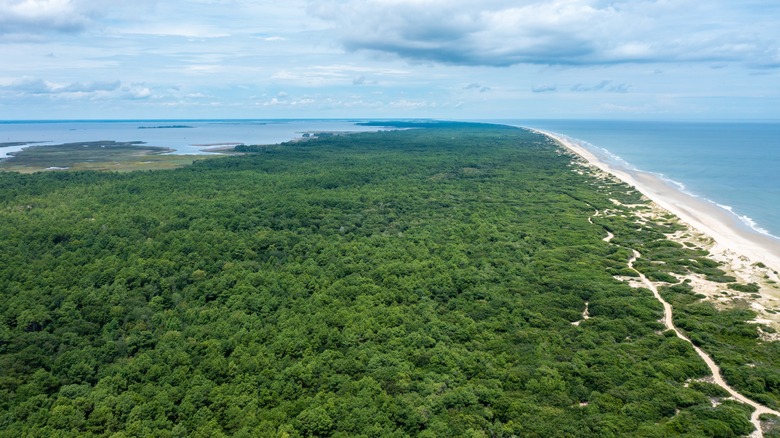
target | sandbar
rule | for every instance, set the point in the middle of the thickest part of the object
(723, 226)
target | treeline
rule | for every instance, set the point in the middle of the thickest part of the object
(419, 282)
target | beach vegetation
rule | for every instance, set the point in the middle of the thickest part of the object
(749, 288)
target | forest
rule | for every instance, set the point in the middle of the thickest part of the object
(413, 282)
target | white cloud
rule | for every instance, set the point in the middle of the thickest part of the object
(136, 91)
(282, 100)
(335, 74)
(187, 30)
(35, 16)
(33, 88)
(412, 104)
(40, 86)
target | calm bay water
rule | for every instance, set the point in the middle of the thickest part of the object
(189, 140)
(736, 165)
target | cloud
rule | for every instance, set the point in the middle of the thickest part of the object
(552, 32)
(544, 88)
(78, 87)
(27, 88)
(33, 18)
(605, 86)
(477, 87)
(136, 92)
(412, 104)
(283, 100)
(335, 74)
(37, 16)
(185, 30)
(40, 87)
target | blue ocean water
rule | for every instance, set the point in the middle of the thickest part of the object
(736, 165)
(192, 139)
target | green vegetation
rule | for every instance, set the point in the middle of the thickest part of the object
(747, 288)
(747, 363)
(420, 282)
(94, 155)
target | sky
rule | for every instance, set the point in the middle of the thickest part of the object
(453, 59)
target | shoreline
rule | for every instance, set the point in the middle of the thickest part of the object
(725, 227)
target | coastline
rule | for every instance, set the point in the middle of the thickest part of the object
(730, 234)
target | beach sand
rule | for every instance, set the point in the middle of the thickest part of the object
(746, 254)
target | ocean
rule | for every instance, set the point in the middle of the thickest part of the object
(733, 164)
(185, 136)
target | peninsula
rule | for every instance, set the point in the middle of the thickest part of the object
(450, 279)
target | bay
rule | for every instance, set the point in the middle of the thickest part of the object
(185, 136)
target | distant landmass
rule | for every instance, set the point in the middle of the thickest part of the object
(166, 127)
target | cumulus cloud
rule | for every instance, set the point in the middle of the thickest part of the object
(40, 17)
(136, 92)
(550, 32)
(36, 16)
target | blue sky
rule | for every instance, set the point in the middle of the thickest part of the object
(456, 59)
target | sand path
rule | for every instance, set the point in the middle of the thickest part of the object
(714, 368)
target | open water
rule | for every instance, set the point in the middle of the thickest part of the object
(736, 165)
(192, 139)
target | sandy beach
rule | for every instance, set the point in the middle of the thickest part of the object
(723, 226)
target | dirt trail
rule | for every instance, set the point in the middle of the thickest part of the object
(610, 236)
(714, 369)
